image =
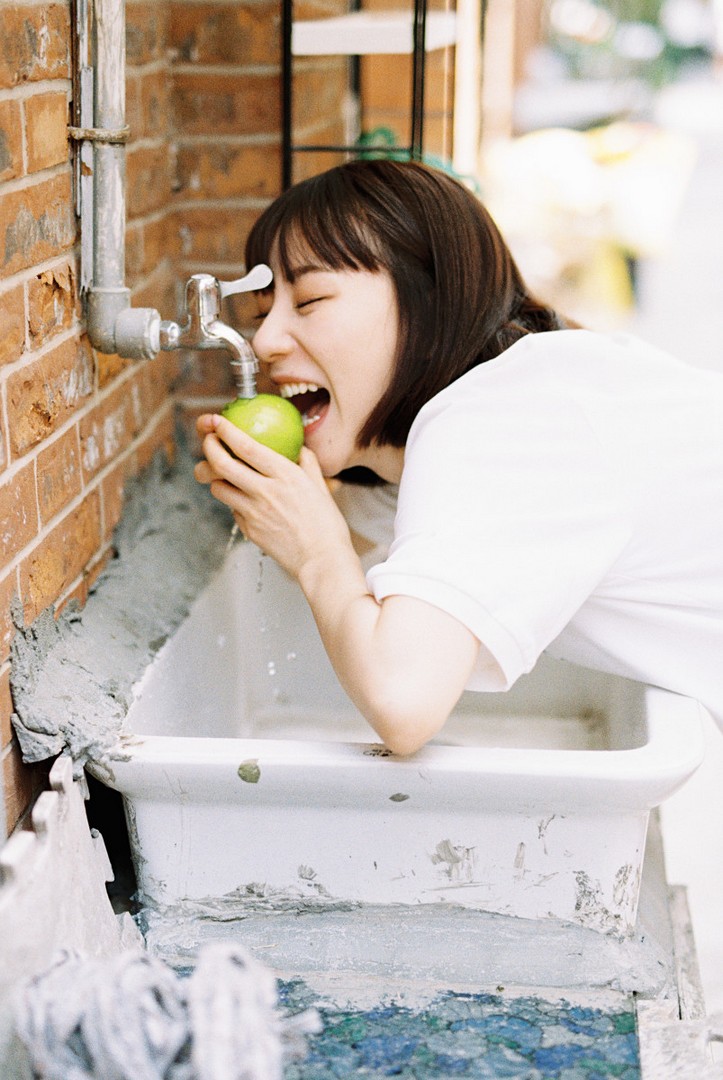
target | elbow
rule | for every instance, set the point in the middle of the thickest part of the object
(404, 744)
(406, 730)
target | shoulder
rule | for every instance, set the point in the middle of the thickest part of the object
(538, 363)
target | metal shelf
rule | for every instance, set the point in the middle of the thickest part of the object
(356, 34)
(366, 33)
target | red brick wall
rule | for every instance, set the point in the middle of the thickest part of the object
(203, 103)
(203, 107)
(74, 424)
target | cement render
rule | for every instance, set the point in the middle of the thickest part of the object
(72, 678)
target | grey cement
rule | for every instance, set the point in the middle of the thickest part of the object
(72, 678)
(430, 946)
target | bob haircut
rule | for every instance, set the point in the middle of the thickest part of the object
(460, 295)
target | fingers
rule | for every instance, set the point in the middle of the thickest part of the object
(310, 465)
(203, 472)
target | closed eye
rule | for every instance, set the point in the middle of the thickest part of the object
(307, 303)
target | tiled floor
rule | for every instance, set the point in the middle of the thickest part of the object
(682, 310)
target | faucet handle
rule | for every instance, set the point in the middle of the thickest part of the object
(257, 278)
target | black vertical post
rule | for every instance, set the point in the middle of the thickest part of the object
(418, 64)
(287, 16)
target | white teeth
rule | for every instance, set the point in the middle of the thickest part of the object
(306, 419)
(291, 389)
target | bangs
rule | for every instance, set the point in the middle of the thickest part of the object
(320, 221)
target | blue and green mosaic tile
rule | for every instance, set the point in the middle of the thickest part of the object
(472, 1036)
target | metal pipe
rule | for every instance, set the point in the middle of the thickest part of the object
(113, 326)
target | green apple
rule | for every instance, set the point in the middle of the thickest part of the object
(270, 420)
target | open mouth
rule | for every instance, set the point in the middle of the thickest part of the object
(311, 400)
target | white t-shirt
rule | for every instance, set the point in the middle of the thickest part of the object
(568, 496)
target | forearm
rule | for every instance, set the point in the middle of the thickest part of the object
(402, 662)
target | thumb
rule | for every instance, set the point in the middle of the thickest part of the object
(309, 462)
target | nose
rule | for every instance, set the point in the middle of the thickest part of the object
(271, 340)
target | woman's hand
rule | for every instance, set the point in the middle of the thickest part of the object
(284, 508)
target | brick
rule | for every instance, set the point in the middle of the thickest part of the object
(79, 595)
(134, 114)
(160, 439)
(11, 150)
(18, 513)
(207, 374)
(113, 494)
(52, 303)
(148, 179)
(23, 783)
(222, 171)
(34, 43)
(46, 391)
(319, 92)
(151, 245)
(58, 475)
(109, 428)
(18, 785)
(310, 164)
(225, 33)
(46, 127)
(215, 234)
(156, 383)
(227, 104)
(146, 30)
(109, 366)
(12, 324)
(148, 103)
(6, 708)
(61, 557)
(154, 105)
(36, 223)
(241, 309)
(8, 592)
(313, 9)
(162, 290)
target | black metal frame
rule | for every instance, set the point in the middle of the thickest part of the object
(288, 149)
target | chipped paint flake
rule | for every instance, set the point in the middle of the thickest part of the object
(249, 771)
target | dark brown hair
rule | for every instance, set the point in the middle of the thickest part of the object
(461, 297)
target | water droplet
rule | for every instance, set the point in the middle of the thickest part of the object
(271, 667)
(291, 656)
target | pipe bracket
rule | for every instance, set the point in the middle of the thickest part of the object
(99, 135)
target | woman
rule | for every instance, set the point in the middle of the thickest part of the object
(560, 490)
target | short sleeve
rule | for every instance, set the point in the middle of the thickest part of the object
(511, 512)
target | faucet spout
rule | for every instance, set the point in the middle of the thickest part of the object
(204, 329)
(244, 362)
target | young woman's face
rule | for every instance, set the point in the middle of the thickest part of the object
(328, 340)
